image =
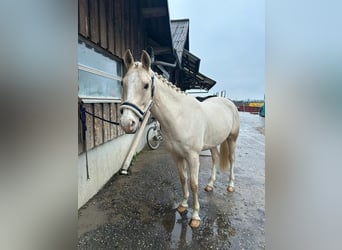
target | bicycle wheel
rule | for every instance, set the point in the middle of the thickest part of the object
(152, 139)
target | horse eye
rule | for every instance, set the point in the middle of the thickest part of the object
(146, 86)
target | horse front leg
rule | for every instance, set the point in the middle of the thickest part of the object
(193, 162)
(181, 164)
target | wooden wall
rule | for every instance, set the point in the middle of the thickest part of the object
(113, 25)
(98, 131)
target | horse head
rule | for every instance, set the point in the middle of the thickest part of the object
(137, 91)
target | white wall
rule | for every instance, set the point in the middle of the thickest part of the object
(103, 162)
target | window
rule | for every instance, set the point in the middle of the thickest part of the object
(99, 75)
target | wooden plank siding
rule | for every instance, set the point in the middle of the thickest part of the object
(83, 18)
(110, 26)
(94, 21)
(113, 25)
(113, 128)
(106, 125)
(98, 124)
(103, 24)
(98, 131)
(90, 127)
(128, 25)
(118, 23)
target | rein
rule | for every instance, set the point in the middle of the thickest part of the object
(138, 111)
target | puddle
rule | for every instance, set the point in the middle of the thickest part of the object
(177, 225)
(139, 211)
(217, 228)
(181, 235)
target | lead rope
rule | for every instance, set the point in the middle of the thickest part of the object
(83, 119)
(84, 136)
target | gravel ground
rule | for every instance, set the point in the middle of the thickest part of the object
(138, 211)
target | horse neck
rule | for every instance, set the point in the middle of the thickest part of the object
(166, 102)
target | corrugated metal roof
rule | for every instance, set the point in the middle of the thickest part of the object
(190, 61)
(191, 78)
(180, 36)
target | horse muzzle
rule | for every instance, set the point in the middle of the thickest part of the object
(129, 123)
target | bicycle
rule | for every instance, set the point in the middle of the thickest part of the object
(154, 137)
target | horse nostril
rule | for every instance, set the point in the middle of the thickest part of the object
(132, 123)
(121, 111)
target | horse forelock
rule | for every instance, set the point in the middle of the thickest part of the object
(137, 73)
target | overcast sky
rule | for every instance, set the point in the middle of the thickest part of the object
(229, 37)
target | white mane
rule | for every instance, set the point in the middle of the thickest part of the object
(169, 84)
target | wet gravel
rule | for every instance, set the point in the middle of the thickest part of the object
(138, 211)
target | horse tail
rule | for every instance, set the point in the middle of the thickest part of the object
(224, 156)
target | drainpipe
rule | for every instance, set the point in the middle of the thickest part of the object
(154, 62)
(134, 145)
(172, 65)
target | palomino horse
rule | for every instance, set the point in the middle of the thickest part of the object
(188, 126)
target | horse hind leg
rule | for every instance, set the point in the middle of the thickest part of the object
(232, 145)
(215, 159)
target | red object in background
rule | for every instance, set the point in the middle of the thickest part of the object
(243, 108)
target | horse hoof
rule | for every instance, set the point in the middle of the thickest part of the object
(230, 189)
(181, 209)
(195, 223)
(209, 188)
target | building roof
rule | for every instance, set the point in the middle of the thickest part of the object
(170, 41)
(180, 36)
(155, 15)
(191, 78)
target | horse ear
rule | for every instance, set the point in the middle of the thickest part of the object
(145, 60)
(128, 59)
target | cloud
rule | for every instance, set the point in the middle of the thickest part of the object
(229, 37)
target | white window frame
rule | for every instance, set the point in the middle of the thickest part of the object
(95, 71)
